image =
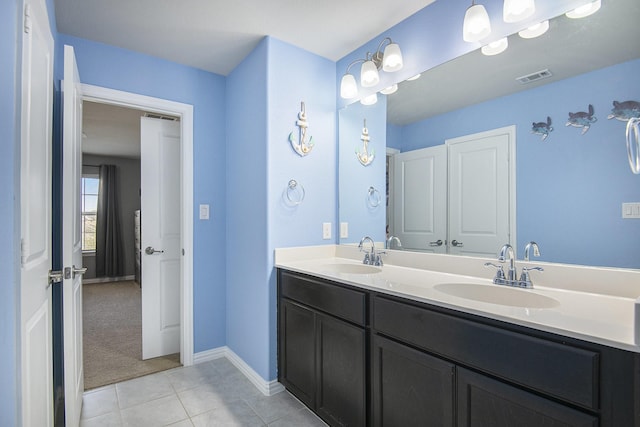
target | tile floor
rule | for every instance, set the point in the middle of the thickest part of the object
(213, 393)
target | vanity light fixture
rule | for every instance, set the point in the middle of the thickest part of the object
(389, 90)
(369, 99)
(534, 30)
(517, 10)
(585, 10)
(389, 60)
(495, 47)
(476, 25)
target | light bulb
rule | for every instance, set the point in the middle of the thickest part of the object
(517, 10)
(586, 10)
(392, 58)
(348, 87)
(369, 99)
(389, 90)
(495, 47)
(369, 74)
(535, 30)
(476, 24)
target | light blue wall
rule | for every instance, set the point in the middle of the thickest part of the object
(120, 69)
(295, 75)
(570, 188)
(264, 95)
(247, 150)
(355, 179)
(9, 254)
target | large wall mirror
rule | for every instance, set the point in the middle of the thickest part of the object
(570, 186)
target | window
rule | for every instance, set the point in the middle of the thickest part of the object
(90, 186)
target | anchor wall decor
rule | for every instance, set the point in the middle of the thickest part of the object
(303, 147)
(364, 157)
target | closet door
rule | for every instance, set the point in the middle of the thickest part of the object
(481, 192)
(420, 199)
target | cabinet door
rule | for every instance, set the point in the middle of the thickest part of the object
(486, 402)
(410, 388)
(297, 351)
(341, 391)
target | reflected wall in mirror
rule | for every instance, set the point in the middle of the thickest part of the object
(570, 186)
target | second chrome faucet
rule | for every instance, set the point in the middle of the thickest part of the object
(370, 257)
(511, 277)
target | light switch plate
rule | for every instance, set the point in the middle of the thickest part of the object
(326, 230)
(204, 211)
(344, 230)
(630, 210)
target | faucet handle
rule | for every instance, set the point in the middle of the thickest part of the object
(525, 272)
(499, 270)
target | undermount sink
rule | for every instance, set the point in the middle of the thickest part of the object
(497, 294)
(352, 268)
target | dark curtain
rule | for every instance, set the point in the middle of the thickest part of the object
(109, 250)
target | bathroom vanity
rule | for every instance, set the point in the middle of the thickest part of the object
(385, 347)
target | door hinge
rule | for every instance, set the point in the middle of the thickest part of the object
(27, 18)
(23, 251)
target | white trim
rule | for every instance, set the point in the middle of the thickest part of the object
(185, 111)
(107, 279)
(268, 388)
(392, 151)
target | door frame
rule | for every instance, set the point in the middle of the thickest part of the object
(185, 112)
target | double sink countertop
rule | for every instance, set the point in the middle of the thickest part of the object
(599, 305)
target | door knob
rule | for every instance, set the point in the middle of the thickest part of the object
(150, 251)
(436, 243)
(456, 243)
(71, 272)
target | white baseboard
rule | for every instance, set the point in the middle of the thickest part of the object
(108, 279)
(268, 388)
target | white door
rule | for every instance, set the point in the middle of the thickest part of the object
(420, 199)
(72, 238)
(160, 220)
(481, 192)
(36, 356)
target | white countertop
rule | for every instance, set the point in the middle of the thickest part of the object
(592, 304)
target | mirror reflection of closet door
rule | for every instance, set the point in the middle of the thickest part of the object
(481, 192)
(420, 199)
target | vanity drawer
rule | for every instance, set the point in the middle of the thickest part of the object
(339, 301)
(556, 369)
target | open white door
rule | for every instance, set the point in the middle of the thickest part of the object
(482, 192)
(72, 238)
(160, 218)
(36, 355)
(420, 199)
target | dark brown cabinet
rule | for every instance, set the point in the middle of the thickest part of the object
(322, 356)
(359, 357)
(409, 387)
(484, 402)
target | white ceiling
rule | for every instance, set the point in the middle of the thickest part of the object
(216, 35)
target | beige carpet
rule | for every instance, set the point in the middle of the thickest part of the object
(112, 324)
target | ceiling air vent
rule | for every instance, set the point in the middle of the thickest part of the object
(538, 75)
(160, 116)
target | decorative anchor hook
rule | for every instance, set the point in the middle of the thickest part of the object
(364, 157)
(304, 147)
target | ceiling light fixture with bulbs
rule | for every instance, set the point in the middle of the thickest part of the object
(389, 60)
(476, 24)
(585, 10)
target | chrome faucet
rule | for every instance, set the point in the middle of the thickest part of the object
(527, 249)
(507, 251)
(372, 257)
(511, 277)
(390, 240)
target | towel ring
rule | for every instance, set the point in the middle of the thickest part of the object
(633, 144)
(373, 197)
(295, 192)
